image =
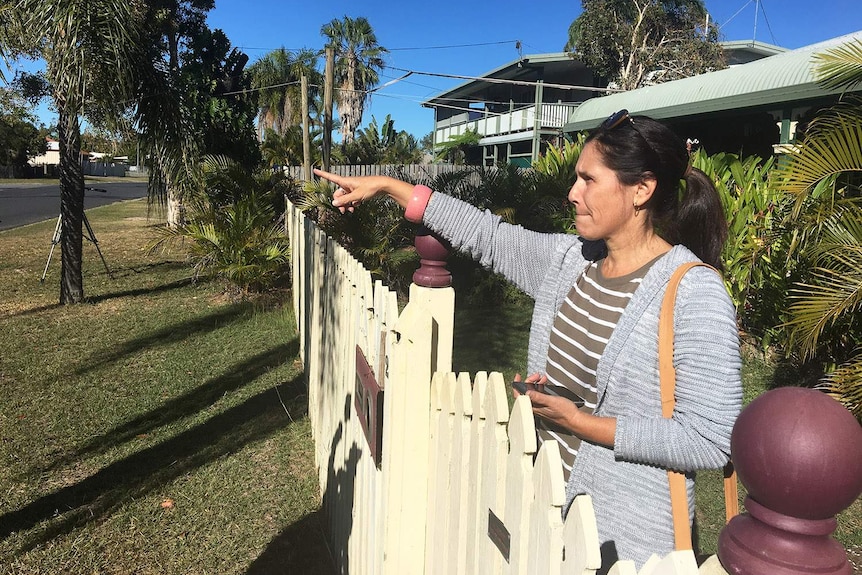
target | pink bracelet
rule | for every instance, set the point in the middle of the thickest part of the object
(417, 204)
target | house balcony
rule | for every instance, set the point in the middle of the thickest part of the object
(517, 124)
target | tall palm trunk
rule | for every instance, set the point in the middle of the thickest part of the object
(71, 207)
(175, 216)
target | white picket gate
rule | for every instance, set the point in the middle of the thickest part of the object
(458, 486)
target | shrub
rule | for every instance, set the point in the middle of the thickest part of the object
(234, 228)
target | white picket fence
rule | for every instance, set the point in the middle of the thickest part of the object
(458, 487)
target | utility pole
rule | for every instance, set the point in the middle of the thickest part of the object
(327, 107)
(306, 139)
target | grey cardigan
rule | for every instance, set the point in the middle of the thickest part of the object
(628, 484)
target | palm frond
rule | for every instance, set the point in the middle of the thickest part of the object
(819, 305)
(841, 67)
(845, 384)
(823, 154)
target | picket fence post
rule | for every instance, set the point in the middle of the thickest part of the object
(406, 424)
(520, 488)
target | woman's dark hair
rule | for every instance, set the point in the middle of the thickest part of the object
(685, 207)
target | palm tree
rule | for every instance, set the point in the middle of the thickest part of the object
(823, 175)
(358, 59)
(95, 54)
(277, 77)
(286, 149)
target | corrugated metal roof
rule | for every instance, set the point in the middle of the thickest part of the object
(507, 71)
(772, 81)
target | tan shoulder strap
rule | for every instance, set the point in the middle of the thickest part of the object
(667, 382)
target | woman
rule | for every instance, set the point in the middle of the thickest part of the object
(642, 211)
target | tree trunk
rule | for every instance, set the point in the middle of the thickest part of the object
(71, 208)
(175, 210)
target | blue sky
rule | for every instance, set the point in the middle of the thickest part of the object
(479, 37)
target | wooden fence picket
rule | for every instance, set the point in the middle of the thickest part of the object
(406, 426)
(475, 536)
(546, 512)
(495, 447)
(434, 456)
(582, 555)
(519, 483)
(459, 479)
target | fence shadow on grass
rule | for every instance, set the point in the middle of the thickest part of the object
(166, 336)
(194, 400)
(95, 497)
(301, 548)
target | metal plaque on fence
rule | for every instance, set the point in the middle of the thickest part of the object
(368, 401)
(499, 535)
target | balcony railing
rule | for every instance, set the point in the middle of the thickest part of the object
(552, 116)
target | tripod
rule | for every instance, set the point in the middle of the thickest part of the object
(89, 234)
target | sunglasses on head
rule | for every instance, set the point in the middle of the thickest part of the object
(616, 119)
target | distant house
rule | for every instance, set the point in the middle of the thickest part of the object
(51, 157)
(516, 109)
(521, 107)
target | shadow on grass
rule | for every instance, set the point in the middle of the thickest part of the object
(195, 400)
(120, 294)
(167, 335)
(301, 548)
(95, 497)
(34, 310)
(181, 283)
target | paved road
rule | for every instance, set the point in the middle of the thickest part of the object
(22, 204)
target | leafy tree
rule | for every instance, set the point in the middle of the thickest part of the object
(456, 150)
(633, 43)
(120, 141)
(823, 175)
(171, 142)
(286, 149)
(174, 22)
(277, 77)
(233, 228)
(381, 144)
(212, 78)
(20, 139)
(426, 144)
(358, 59)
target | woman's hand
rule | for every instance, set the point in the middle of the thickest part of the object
(566, 414)
(532, 381)
(555, 409)
(353, 190)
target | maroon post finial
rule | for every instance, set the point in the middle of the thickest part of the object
(433, 252)
(799, 454)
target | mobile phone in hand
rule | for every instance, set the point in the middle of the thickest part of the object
(521, 387)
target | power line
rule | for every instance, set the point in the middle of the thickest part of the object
(405, 49)
(408, 72)
(504, 81)
(454, 46)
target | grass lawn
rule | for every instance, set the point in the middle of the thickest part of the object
(158, 428)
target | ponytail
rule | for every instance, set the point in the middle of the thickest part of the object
(699, 223)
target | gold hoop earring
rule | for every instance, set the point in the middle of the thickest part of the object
(637, 209)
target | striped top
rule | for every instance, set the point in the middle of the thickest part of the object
(580, 332)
